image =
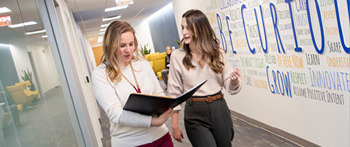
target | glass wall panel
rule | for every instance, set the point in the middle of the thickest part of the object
(33, 111)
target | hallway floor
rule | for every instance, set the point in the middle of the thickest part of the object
(45, 123)
(246, 134)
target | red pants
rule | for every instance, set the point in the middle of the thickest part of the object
(164, 141)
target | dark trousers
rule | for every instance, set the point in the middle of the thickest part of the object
(165, 73)
(14, 113)
(209, 124)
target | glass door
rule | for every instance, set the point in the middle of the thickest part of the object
(36, 109)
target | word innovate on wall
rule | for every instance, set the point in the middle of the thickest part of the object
(277, 35)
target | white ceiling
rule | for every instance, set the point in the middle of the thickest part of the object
(88, 14)
(22, 11)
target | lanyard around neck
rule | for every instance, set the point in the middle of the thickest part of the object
(138, 90)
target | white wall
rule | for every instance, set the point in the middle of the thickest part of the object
(182, 6)
(90, 53)
(143, 34)
(320, 121)
(46, 71)
(21, 60)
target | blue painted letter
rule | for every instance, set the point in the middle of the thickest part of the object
(221, 33)
(275, 28)
(319, 51)
(341, 35)
(297, 48)
(230, 32)
(263, 24)
(245, 31)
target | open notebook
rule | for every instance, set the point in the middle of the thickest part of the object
(156, 105)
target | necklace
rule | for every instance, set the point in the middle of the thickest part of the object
(138, 90)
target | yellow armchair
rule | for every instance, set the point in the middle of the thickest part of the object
(158, 61)
(20, 94)
(27, 83)
(7, 117)
(151, 63)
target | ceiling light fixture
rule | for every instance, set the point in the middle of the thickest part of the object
(116, 8)
(45, 36)
(35, 32)
(4, 10)
(111, 18)
(105, 25)
(23, 24)
(103, 30)
(102, 33)
(1, 44)
(100, 39)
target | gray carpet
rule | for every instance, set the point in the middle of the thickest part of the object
(246, 135)
(45, 123)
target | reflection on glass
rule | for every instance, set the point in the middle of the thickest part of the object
(32, 107)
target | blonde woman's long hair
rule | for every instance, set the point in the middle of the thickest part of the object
(204, 41)
(111, 46)
(167, 57)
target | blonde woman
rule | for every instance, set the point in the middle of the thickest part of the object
(122, 73)
(165, 71)
(207, 118)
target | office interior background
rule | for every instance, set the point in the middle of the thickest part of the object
(294, 57)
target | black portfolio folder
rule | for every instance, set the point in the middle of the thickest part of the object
(155, 105)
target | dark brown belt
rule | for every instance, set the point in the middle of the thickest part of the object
(207, 99)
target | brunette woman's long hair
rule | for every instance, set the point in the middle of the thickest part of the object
(111, 46)
(203, 40)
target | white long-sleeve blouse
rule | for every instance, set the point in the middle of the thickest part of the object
(127, 128)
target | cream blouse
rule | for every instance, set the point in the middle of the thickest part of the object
(181, 79)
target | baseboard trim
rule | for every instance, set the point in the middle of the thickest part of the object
(274, 130)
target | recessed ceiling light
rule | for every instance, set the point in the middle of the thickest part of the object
(116, 8)
(23, 24)
(4, 10)
(99, 39)
(111, 18)
(103, 30)
(35, 32)
(105, 25)
(45, 36)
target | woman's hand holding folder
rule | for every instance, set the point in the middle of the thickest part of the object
(158, 121)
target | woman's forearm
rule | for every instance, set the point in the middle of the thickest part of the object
(175, 119)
